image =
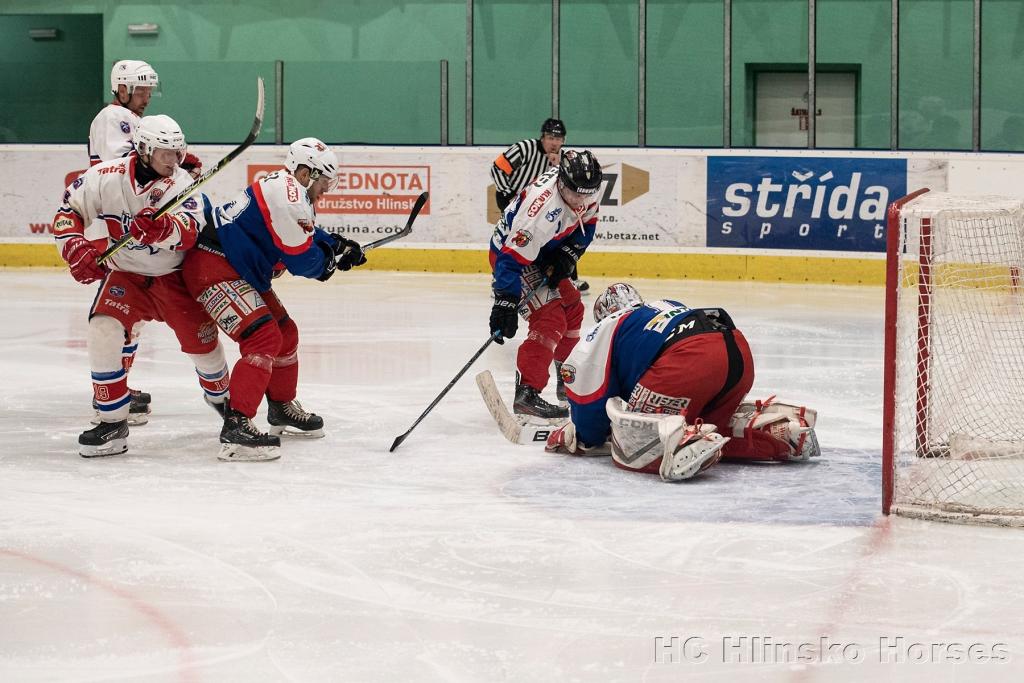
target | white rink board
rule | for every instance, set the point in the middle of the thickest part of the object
(657, 201)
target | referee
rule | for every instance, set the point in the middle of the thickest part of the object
(520, 164)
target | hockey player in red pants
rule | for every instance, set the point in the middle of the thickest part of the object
(658, 378)
(542, 233)
(229, 272)
(141, 282)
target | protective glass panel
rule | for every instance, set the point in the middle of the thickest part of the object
(511, 70)
(598, 74)
(1002, 74)
(685, 41)
(855, 38)
(768, 35)
(936, 74)
(394, 102)
(225, 116)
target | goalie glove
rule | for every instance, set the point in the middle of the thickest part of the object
(563, 440)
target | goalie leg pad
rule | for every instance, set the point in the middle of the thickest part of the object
(637, 437)
(661, 443)
(699, 447)
(770, 430)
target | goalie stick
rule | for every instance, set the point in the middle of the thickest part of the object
(515, 429)
(184, 194)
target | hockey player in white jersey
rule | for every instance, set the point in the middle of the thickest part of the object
(541, 235)
(111, 134)
(132, 83)
(143, 280)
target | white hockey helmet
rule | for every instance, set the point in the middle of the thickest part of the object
(132, 73)
(158, 132)
(618, 297)
(315, 155)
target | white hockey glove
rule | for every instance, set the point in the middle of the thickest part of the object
(563, 440)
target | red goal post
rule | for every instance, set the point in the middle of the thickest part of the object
(953, 383)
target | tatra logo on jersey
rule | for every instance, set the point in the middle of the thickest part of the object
(553, 214)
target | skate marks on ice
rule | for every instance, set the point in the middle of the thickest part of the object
(840, 488)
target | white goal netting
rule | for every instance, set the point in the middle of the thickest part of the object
(955, 359)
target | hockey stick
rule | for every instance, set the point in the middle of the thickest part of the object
(420, 201)
(184, 194)
(494, 335)
(512, 428)
(400, 439)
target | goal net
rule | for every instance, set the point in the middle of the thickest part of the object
(953, 424)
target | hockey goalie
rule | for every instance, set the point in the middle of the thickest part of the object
(663, 387)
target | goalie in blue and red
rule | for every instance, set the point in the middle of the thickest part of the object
(658, 379)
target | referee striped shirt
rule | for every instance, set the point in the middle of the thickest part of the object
(518, 166)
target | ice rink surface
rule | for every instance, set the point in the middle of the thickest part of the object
(462, 557)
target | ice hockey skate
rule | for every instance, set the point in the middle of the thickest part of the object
(287, 418)
(138, 409)
(107, 438)
(242, 441)
(529, 402)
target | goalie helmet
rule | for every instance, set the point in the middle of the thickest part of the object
(580, 172)
(158, 132)
(315, 155)
(132, 73)
(618, 297)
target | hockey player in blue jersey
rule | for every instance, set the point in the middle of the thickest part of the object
(661, 381)
(272, 224)
(534, 249)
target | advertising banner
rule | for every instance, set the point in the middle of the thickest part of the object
(652, 200)
(824, 203)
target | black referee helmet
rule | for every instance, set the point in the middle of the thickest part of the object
(553, 127)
